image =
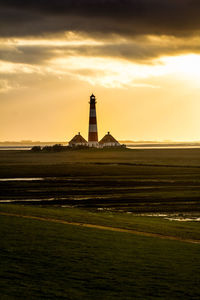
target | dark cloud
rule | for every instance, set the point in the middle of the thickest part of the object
(27, 54)
(124, 17)
(141, 50)
(138, 52)
(123, 25)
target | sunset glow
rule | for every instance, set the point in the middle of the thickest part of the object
(146, 79)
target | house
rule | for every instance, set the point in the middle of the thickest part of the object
(78, 140)
(109, 141)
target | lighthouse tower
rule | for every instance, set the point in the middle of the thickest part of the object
(93, 134)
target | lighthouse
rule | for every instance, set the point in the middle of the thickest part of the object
(93, 134)
(106, 142)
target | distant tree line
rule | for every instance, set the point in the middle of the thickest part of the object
(61, 148)
(56, 148)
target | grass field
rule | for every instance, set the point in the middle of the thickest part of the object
(76, 230)
(47, 260)
(158, 225)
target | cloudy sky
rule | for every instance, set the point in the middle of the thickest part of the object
(141, 58)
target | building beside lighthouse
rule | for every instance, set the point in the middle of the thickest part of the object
(107, 141)
(78, 140)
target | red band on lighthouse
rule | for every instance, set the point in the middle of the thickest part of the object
(93, 134)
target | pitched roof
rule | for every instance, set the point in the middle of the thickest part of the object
(108, 138)
(78, 139)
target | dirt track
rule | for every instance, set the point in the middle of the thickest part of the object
(131, 231)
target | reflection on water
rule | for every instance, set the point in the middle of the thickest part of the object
(129, 196)
(21, 179)
(177, 217)
(15, 148)
(162, 147)
(192, 217)
(184, 219)
(55, 199)
(26, 200)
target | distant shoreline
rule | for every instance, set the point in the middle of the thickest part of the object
(137, 144)
(128, 146)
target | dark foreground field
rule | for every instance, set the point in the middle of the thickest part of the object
(42, 257)
(133, 180)
(75, 230)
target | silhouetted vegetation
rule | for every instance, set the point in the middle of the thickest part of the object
(79, 147)
(61, 148)
(54, 148)
(36, 149)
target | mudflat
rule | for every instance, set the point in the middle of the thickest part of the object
(158, 180)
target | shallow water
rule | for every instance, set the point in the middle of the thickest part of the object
(15, 148)
(171, 197)
(182, 219)
(189, 217)
(21, 179)
(162, 147)
(176, 217)
(25, 200)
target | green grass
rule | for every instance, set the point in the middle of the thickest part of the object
(185, 230)
(177, 157)
(43, 260)
(82, 162)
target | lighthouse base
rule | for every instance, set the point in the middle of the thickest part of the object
(93, 144)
